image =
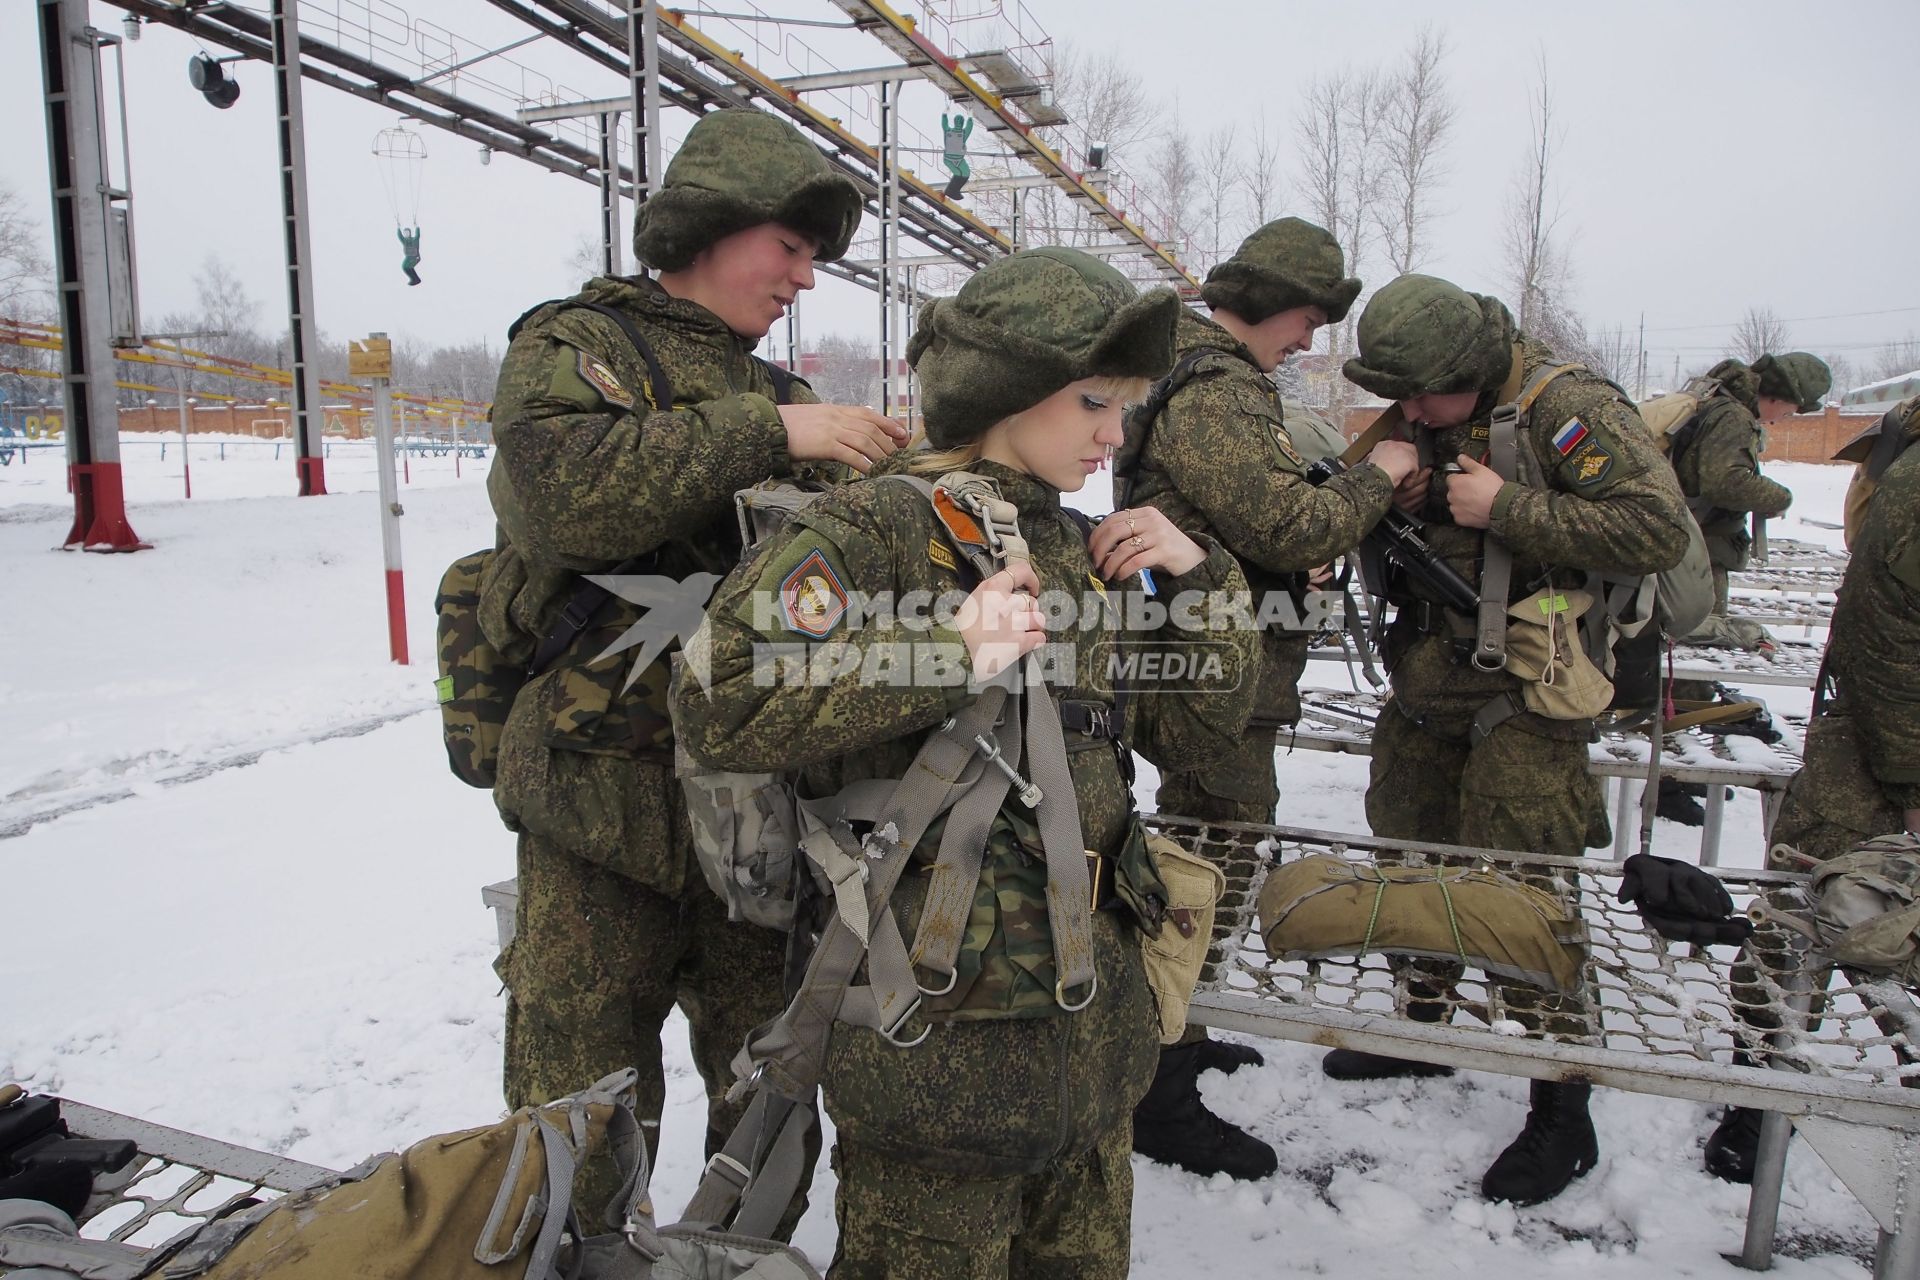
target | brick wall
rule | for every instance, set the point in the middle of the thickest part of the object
(1805, 437)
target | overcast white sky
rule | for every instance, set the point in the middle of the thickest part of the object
(1717, 156)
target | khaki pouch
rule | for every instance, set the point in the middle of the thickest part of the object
(1544, 649)
(1175, 957)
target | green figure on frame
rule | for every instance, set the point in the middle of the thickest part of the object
(410, 246)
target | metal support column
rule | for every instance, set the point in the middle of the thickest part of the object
(610, 193)
(888, 194)
(643, 73)
(309, 421)
(82, 222)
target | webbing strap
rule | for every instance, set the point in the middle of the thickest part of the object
(1496, 562)
(757, 1171)
(1381, 427)
(1069, 891)
(1515, 408)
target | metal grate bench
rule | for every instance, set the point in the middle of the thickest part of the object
(1659, 1019)
(177, 1184)
(1341, 720)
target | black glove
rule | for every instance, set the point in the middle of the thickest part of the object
(1681, 902)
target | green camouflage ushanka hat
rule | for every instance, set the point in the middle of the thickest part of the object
(737, 169)
(1421, 335)
(1287, 263)
(1027, 325)
(1798, 376)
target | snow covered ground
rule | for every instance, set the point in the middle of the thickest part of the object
(242, 898)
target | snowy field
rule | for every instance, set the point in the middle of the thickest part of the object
(242, 898)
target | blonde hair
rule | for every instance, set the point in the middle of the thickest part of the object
(962, 457)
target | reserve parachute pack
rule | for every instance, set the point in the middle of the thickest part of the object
(1578, 651)
(492, 1203)
(1673, 418)
(478, 683)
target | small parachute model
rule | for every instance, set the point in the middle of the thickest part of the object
(402, 157)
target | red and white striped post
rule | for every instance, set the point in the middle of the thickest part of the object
(373, 359)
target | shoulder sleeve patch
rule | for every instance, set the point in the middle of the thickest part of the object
(797, 587)
(597, 374)
(812, 597)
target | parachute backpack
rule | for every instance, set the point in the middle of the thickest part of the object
(492, 1203)
(1673, 418)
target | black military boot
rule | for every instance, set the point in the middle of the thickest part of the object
(1226, 1057)
(1358, 1064)
(1173, 1126)
(1680, 802)
(1556, 1147)
(1734, 1146)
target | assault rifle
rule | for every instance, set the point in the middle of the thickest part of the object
(1398, 538)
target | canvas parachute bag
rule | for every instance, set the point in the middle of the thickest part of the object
(1671, 417)
(1325, 907)
(1866, 906)
(492, 1203)
(477, 683)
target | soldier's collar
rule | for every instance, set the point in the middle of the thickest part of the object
(1029, 494)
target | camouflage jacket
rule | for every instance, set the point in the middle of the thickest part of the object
(591, 474)
(1219, 461)
(1719, 472)
(868, 686)
(1610, 504)
(1874, 654)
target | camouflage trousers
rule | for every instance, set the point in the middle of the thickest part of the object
(997, 1147)
(597, 963)
(1071, 1221)
(1831, 805)
(1515, 791)
(1238, 788)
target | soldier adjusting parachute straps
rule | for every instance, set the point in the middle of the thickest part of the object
(477, 683)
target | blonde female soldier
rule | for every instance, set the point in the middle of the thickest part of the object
(987, 1134)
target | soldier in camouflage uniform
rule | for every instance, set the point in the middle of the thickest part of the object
(998, 1146)
(1457, 756)
(1717, 457)
(1218, 457)
(615, 924)
(1862, 773)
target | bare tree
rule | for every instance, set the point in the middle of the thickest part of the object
(1613, 353)
(1175, 181)
(849, 371)
(1338, 134)
(1220, 175)
(24, 284)
(1844, 374)
(1416, 121)
(1260, 176)
(1758, 332)
(1539, 273)
(1895, 359)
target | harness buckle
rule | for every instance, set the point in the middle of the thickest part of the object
(887, 1032)
(1060, 995)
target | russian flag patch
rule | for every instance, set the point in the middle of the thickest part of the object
(1568, 438)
